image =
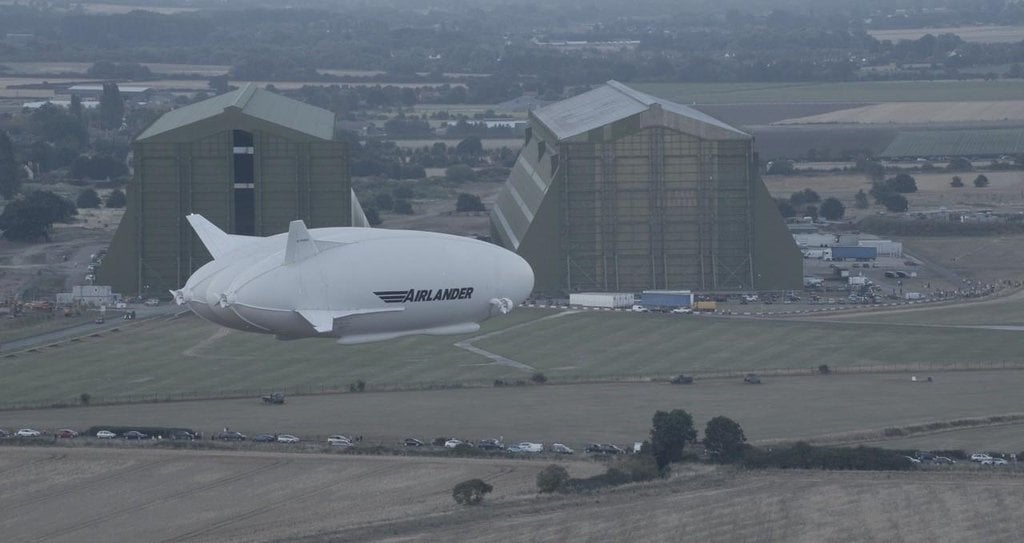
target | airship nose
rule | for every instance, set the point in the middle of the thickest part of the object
(520, 278)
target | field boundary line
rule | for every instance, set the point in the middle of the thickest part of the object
(467, 344)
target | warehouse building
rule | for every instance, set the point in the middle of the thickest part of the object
(616, 190)
(250, 161)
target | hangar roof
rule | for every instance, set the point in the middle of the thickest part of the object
(612, 102)
(255, 102)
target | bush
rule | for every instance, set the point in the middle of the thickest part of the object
(981, 181)
(804, 456)
(88, 199)
(806, 196)
(551, 478)
(539, 378)
(116, 199)
(358, 386)
(832, 209)
(403, 207)
(824, 369)
(470, 492)
(459, 173)
(84, 398)
(959, 164)
(469, 202)
(724, 440)
(956, 182)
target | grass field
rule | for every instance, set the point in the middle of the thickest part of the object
(856, 91)
(100, 495)
(957, 142)
(922, 112)
(187, 357)
(978, 34)
(1006, 439)
(782, 408)
(148, 495)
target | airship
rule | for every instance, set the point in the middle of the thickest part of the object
(355, 285)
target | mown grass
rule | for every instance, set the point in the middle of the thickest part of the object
(852, 91)
(187, 358)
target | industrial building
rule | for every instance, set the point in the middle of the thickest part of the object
(250, 161)
(616, 190)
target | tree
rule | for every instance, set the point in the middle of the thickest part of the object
(832, 209)
(459, 173)
(471, 146)
(981, 181)
(76, 108)
(551, 478)
(469, 202)
(373, 216)
(806, 196)
(111, 107)
(384, 200)
(902, 183)
(860, 200)
(88, 199)
(403, 207)
(670, 433)
(724, 440)
(895, 202)
(116, 199)
(10, 175)
(956, 182)
(30, 217)
(959, 164)
(779, 167)
(786, 209)
(470, 492)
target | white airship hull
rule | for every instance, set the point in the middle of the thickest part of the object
(353, 284)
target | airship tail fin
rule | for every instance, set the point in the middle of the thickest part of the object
(300, 244)
(217, 241)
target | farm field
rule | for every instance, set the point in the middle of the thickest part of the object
(1006, 439)
(985, 259)
(847, 92)
(1005, 190)
(919, 112)
(186, 357)
(99, 495)
(781, 408)
(977, 34)
(108, 495)
(956, 143)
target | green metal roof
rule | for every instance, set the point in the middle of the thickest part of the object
(253, 102)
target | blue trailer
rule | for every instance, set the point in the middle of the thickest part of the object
(855, 253)
(666, 300)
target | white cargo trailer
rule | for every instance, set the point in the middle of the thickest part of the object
(611, 300)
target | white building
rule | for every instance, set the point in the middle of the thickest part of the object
(91, 295)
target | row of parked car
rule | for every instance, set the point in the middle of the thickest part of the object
(981, 458)
(497, 445)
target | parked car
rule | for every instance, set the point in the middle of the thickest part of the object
(452, 443)
(604, 448)
(229, 436)
(182, 435)
(527, 446)
(752, 379)
(490, 445)
(412, 442)
(66, 433)
(994, 462)
(561, 449)
(105, 434)
(339, 440)
(135, 434)
(681, 379)
(4, 433)
(287, 438)
(682, 311)
(980, 457)
(912, 460)
(265, 438)
(28, 432)
(944, 460)
(515, 449)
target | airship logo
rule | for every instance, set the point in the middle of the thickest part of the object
(430, 295)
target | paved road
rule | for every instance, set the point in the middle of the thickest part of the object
(113, 320)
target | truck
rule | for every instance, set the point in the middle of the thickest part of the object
(612, 300)
(855, 253)
(706, 306)
(666, 300)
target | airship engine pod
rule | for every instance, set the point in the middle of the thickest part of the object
(353, 284)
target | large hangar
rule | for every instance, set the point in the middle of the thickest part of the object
(250, 161)
(616, 190)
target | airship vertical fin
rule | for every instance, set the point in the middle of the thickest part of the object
(217, 241)
(300, 244)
